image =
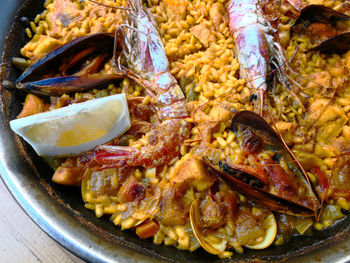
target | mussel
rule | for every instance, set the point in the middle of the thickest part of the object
(324, 20)
(275, 178)
(72, 67)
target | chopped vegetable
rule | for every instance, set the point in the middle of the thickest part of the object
(32, 105)
(68, 176)
(147, 229)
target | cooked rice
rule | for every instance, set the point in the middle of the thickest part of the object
(209, 70)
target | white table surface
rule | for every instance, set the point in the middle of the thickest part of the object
(22, 241)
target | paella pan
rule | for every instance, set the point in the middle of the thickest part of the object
(219, 145)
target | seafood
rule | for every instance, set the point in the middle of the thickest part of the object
(269, 225)
(275, 178)
(41, 77)
(252, 44)
(261, 56)
(256, 47)
(144, 53)
(320, 23)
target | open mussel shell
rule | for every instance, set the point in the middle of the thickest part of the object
(270, 226)
(258, 124)
(271, 201)
(281, 192)
(207, 245)
(72, 67)
(94, 43)
(319, 14)
(338, 44)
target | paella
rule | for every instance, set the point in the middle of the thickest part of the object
(206, 123)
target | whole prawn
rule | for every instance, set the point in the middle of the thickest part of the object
(257, 48)
(145, 55)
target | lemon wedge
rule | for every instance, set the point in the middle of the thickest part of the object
(75, 129)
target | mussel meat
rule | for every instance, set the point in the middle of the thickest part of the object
(203, 240)
(72, 67)
(322, 24)
(274, 178)
(216, 245)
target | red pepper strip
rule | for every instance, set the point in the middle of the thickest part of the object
(324, 185)
(147, 229)
(323, 180)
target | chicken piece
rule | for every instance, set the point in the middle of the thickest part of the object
(131, 190)
(68, 175)
(206, 130)
(32, 105)
(330, 120)
(192, 171)
(203, 33)
(322, 78)
(216, 14)
(176, 9)
(38, 49)
(45, 46)
(219, 113)
(72, 170)
(174, 211)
